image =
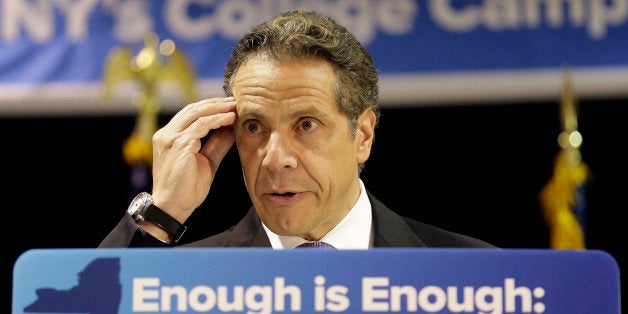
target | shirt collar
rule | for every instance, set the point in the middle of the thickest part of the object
(354, 231)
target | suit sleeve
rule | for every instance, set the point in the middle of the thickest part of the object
(128, 234)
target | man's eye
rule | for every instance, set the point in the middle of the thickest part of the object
(251, 127)
(307, 125)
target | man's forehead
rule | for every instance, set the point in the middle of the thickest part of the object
(263, 64)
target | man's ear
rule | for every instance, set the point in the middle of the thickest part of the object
(364, 136)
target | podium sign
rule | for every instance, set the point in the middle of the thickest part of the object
(259, 280)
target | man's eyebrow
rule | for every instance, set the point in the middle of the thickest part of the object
(305, 110)
(249, 109)
(244, 111)
(293, 111)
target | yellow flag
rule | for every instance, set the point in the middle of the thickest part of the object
(562, 198)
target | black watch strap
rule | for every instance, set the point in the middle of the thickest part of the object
(166, 222)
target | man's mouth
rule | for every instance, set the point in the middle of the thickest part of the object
(285, 198)
(284, 194)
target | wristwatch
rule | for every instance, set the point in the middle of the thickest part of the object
(142, 208)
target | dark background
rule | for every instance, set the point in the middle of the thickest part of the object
(475, 169)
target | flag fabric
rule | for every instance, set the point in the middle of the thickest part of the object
(137, 149)
(563, 201)
(563, 198)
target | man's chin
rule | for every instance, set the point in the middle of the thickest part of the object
(285, 228)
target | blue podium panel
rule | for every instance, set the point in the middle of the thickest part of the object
(247, 280)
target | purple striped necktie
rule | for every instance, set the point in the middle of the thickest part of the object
(315, 245)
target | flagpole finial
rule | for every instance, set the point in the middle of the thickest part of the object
(570, 139)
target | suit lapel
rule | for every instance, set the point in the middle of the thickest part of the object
(390, 229)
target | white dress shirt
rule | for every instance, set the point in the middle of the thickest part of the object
(355, 231)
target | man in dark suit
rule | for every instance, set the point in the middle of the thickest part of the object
(302, 108)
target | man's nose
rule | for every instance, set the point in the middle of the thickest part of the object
(279, 152)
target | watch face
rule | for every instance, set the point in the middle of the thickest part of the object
(137, 206)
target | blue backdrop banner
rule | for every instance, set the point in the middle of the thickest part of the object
(52, 52)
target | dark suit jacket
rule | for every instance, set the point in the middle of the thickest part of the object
(391, 230)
